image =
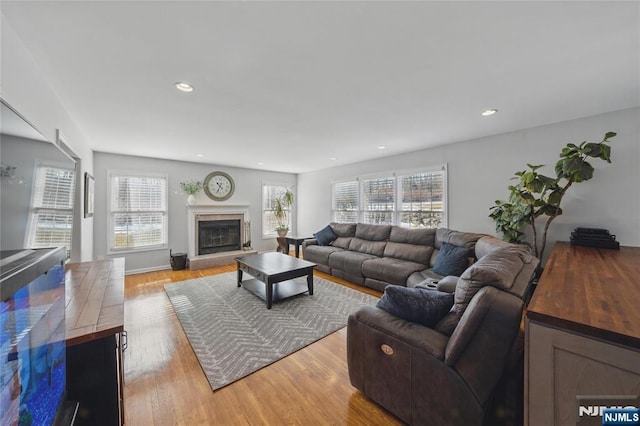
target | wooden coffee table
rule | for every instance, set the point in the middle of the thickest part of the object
(273, 276)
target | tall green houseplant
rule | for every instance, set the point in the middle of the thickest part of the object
(282, 206)
(539, 196)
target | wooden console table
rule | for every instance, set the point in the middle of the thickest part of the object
(582, 332)
(94, 334)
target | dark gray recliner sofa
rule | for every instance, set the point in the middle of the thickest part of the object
(378, 255)
(445, 375)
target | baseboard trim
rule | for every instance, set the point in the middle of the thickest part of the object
(151, 269)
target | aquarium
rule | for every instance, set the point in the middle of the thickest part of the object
(32, 337)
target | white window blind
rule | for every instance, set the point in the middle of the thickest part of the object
(345, 201)
(51, 214)
(414, 199)
(378, 200)
(422, 199)
(138, 211)
(269, 193)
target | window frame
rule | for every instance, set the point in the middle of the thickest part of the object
(445, 199)
(334, 210)
(263, 210)
(111, 249)
(396, 175)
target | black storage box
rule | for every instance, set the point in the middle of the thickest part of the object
(178, 261)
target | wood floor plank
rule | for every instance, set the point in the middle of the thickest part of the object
(165, 385)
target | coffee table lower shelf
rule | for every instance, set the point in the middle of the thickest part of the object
(281, 290)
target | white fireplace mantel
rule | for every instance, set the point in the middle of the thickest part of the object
(194, 211)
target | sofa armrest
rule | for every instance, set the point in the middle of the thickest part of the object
(416, 335)
(309, 242)
(448, 284)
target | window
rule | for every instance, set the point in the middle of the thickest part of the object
(413, 199)
(51, 214)
(138, 216)
(269, 193)
(378, 200)
(421, 199)
(345, 201)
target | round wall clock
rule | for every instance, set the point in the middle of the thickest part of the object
(219, 186)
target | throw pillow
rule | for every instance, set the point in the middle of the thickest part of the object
(425, 307)
(451, 260)
(325, 236)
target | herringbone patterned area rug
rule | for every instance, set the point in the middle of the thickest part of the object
(234, 334)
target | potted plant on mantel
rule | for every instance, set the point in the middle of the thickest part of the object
(536, 195)
(191, 187)
(282, 204)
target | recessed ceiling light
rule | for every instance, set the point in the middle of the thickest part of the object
(200, 155)
(261, 164)
(489, 112)
(382, 147)
(185, 87)
(333, 158)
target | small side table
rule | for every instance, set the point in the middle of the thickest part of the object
(292, 239)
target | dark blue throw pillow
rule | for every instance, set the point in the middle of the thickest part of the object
(451, 260)
(325, 236)
(421, 306)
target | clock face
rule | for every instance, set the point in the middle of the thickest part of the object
(218, 186)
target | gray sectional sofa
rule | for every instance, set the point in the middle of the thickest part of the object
(463, 368)
(378, 255)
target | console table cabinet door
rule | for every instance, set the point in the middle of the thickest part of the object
(562, 365)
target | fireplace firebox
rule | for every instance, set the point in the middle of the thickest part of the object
(216, 236)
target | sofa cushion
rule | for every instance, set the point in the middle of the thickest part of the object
(342, 242)
(325, 236)
(452, 260)
(349, 261)
(425, 307)
(421, 236)
(319, 254)
(412, 252)
(372, 232)
(345, 232)
(344, 229)
(375, 248)
(457, 238)
(499, 269)
(390, 270)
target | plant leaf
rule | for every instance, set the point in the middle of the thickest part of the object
(592, 149)
(606, 153)
(585, 172)
(555, 197)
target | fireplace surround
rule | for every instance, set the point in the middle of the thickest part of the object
(219, 223)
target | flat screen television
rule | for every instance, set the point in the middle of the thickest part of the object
(32, 337)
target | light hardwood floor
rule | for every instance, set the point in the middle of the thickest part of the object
(164, 384)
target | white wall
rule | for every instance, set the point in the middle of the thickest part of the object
(26, 88)
(248, 191)
(480, 169)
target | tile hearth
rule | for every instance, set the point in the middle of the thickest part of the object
(217, 259)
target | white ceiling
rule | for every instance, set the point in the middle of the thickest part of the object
(292, 84)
